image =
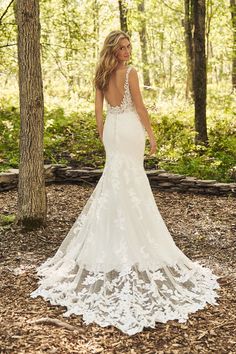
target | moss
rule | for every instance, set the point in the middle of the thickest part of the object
(7, 219)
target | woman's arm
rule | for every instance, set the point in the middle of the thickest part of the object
(99, 96)
(140, 107)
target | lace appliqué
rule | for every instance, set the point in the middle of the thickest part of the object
(118, 264)
(126, 103)
(130, 299)
(121, 268)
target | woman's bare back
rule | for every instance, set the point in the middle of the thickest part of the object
(115, 91)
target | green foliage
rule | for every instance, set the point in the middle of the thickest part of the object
(7, 219)
(9, 140)
(178, 153)
(71, 37)
(73, 139)
(72, 33)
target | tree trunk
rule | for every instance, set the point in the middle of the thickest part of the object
(233, 16)
(143, 42)
(96, 28)
(200, 75)
(188, 29)
(123, 15)
(32, 200)
(209, 16)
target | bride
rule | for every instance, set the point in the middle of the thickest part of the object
(118, 264)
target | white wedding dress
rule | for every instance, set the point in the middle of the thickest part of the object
(119, 265)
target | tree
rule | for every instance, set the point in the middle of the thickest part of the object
(32, 200)
(72, 33)
(199, 73)
(123, 15)
(143, 42)
(233, 16)
(209, 16)
(188, 31)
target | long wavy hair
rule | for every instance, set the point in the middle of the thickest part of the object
(108, 61)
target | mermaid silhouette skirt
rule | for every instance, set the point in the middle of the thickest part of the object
(118, 264)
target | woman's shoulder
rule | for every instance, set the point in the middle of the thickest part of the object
(132, 68)
(133, 72)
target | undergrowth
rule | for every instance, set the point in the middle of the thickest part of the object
(73, 139)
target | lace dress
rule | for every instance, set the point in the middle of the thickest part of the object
(118, 264)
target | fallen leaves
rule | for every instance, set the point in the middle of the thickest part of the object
(202, 226)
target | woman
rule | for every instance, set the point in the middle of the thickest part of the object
(119, 265)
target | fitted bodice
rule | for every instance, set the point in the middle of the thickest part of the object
(127, 102)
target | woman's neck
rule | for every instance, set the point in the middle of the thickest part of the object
(121, 66)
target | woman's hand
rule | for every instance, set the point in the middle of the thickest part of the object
(153, 145)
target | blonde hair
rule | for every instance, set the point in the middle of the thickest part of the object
(108, 62)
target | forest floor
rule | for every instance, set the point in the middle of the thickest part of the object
(204, 228)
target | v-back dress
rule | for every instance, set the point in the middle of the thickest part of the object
(119, 265)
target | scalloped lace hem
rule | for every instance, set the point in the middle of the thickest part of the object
(130, 299)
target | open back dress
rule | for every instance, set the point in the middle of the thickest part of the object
(119, 265)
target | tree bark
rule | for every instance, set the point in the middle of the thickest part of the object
(200, 74)
(123, 15)
(233, 16)
(32, 200)
(143, 42)
(188, 29)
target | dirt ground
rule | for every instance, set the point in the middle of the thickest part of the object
(204, 228)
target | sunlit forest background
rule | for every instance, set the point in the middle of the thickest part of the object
(72, 33)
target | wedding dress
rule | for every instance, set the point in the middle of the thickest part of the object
(119, 265)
